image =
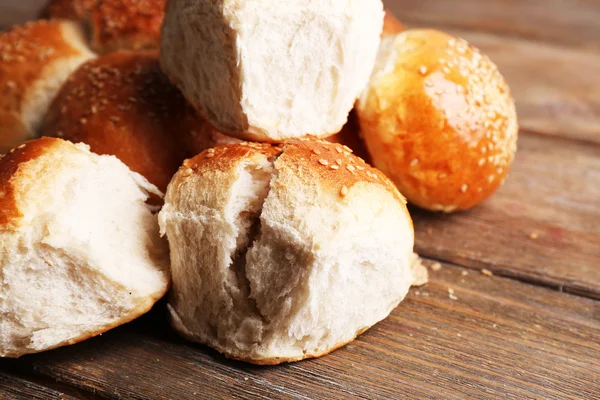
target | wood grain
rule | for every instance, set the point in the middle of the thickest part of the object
(15, 388)
(573, 23)
(543, 226)
(498, 339)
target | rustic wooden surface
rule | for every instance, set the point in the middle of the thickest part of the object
(529, 328)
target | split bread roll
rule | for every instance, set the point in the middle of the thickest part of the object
(264, 71)
(284, 253)
(121, 104)
(80, 253)
(35, 60)
(438, 119)
(114, 24)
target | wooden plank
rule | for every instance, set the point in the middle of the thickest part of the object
(543, 226)
(573, 23)
(498, 339)
(16, 388)
(18, 11)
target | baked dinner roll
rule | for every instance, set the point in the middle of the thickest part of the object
(264, 71)
(121, 104)
(80, 250)
(115, 24)
(438, 119)
(284, 253)
(35, 60)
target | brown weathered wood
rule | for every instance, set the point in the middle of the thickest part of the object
(543, 225)
(15, 388)
(498, 339)
(573, 23)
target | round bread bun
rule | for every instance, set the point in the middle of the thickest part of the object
(438, 119)
(35, 60)
(264, 73)
(115, 24)
(80, 250)
(121, 104)
(284, 253)
(391, 24)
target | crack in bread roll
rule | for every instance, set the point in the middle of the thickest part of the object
(114, 24)
(121, 104)
(438, 119)
(264, 71)
(80, 249)
(35, 60)
(284, 253)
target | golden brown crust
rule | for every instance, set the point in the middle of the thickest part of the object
(11, 173)
(126, 24)
(441, 124)
(121, 104)
(332, 165)
(391, 24)
(26, 52)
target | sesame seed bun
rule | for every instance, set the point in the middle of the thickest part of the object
(121, 104)
(114, 24)
(35, 60)
(437, 118)
(289, 251)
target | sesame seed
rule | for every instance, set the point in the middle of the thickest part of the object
(258, 167)
(339, 149)
(487, 272)
(452, 297)
(83, 121)
(348, 149)
(323, 161)
(350, 168)
(450, 291)
(442, 175)
(317, 152)
(360, 168)
(210, 155)
(414, 162)
(534, 235)
(344, 191)
(423, 70)
(338, 161)
(436, 266)
(464, 188)
(334, 166)
(187, 172)
(481, 162)
(491, 178)
(21, 146)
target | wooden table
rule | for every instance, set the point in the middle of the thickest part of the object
(524, 266)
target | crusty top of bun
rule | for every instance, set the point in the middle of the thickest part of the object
(121, 104)
(391, 24)
(332, 164)
(11, 176)
(114, 24)
(439, 120)
(35, 59)
(126, 24)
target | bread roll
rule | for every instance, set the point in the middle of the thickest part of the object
(121, 104)
(35, 60)
(263, 71)
(115, 24)
(284, 253)
(438, 119)
(80, 251)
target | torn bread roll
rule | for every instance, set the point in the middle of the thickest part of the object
(284, 253)
(114, 24)
(80, 253)
(438, 119)
(265, 71)
(35, 60)
(121, 104)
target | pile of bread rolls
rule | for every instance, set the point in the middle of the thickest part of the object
(278, 243)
